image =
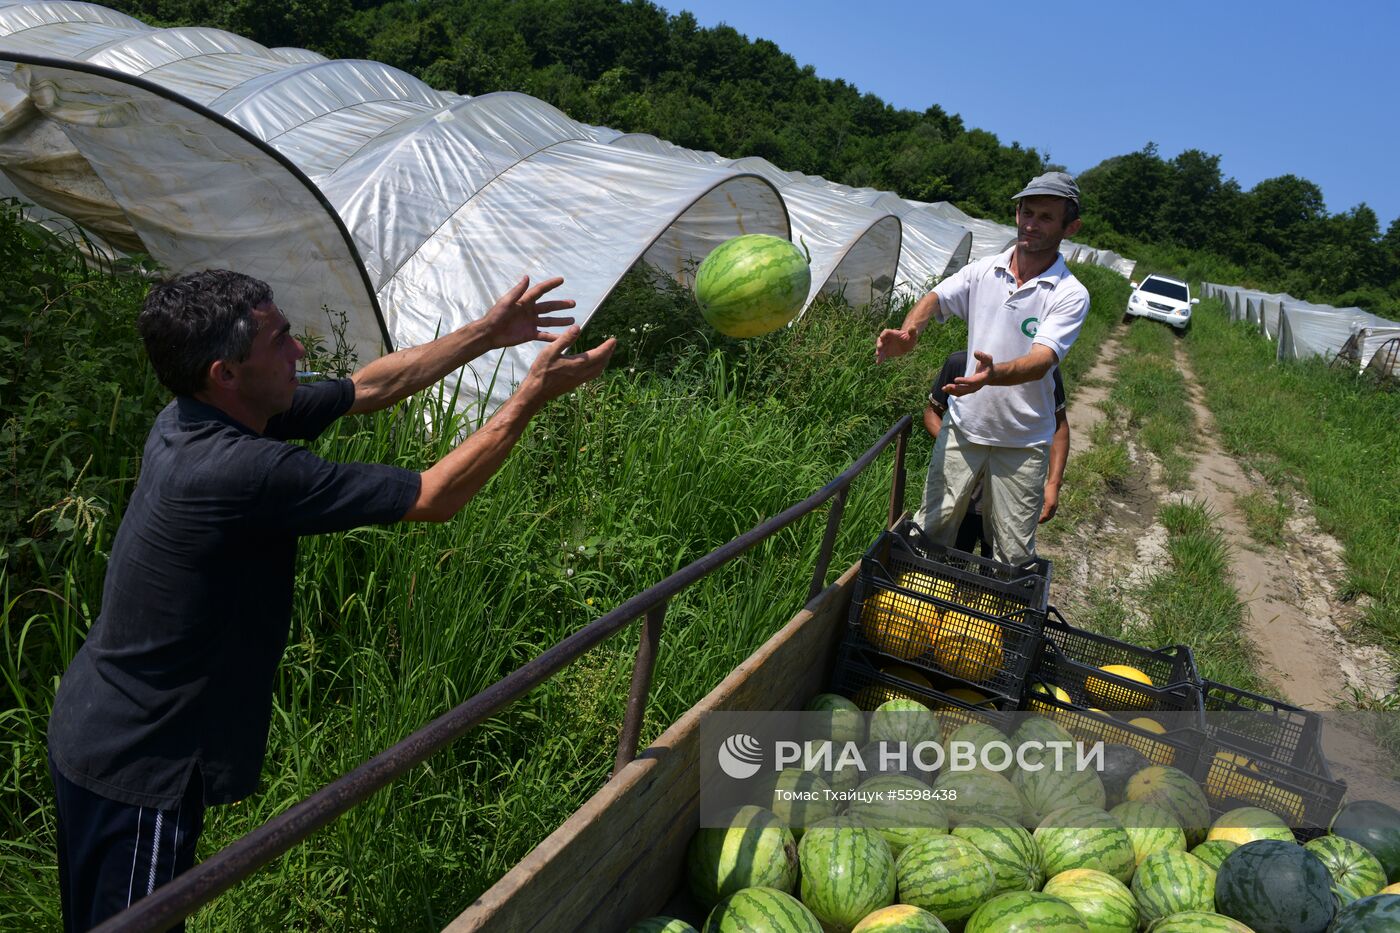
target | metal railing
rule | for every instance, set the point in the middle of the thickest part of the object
(188, 892)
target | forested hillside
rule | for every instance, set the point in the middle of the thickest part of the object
(635, 67)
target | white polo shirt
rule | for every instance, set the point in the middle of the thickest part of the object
(1005, 321)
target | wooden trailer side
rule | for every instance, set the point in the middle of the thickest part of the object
(619, 857)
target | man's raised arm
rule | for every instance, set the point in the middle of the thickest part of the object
(517, 317)
(892, 343)
(451, 482)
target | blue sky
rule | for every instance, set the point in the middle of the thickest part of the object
(1307, 88)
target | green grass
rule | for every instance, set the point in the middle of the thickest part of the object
(1266, 515)
(1151, 394)
(1189, 600)
(1317, 432)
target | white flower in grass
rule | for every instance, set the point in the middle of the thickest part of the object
(569, 572)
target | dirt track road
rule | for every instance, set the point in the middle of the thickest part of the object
(1296, 621)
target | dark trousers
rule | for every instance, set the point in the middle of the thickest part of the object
(972, 537)
(112, 854)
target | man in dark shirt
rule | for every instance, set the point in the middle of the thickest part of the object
(973, 532)
(165, 708)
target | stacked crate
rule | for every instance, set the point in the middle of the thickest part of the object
(950, 629)
(976, 639)
(1265, 753)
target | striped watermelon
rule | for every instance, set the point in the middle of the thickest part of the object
(799, 812)
(972, 736)
(1025, 912)
(1198, 921)
(1051, 788)
(1356, 872)
(845, 722)
(1246, 824)
(900, 808)
(976, 794)
(847, 871)
(1170, 882)
(1039, 730)
(900, 918)
(945, 875)
(754, 850)
(1176, 792)
(661, 925)
(752, 285)
(1104, 902)
(1275, 887)
(761, 910)
(1151, 829)
(1379, 912)
(907, 721)
(1010, 850)
(1085, 837)
(1214, 851)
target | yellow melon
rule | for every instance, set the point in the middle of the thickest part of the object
(1052, 691)
(1148, 724)
(970, 697)
(968, 648)
(906, 673)
(897, 624)
(1115, 696)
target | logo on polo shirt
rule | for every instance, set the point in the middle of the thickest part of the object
(1030, 325)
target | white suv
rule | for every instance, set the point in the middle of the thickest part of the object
(1162, 299)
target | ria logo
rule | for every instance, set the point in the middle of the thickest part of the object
(740, 756)
(1030, 325)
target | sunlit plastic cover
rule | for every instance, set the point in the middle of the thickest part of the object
(342, 183)
(856, 250)
(353, 186)
(1308, 329)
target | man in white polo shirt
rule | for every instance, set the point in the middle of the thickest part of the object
(1023, 310)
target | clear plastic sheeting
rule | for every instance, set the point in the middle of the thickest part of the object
(200, 195)
(345, 184)
(1377, 348)
(855, 249)
(354, 186)
(61, 29)
(1308, 329)
(933, 247)
(988, 238)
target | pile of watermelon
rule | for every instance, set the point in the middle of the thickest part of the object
(1031, 850)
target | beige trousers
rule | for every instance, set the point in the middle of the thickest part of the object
(1013, 492)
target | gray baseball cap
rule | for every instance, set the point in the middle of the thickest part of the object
(1056, 184)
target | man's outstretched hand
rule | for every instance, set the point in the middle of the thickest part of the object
(966, 385)
(553, 373)
(518, 316)
(892, 343)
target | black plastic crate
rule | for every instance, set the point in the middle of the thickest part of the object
(1179, 746)
(981, 583)
(927, 614)
(1259, 726)
(1266, 753)
(1232, 777)
(1072, 659)
(869, 678)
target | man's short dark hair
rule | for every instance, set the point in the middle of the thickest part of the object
(191, 321)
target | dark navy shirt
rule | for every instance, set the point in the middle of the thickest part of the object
(177, 671)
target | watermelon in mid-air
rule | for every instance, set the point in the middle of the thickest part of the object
(752, 285)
